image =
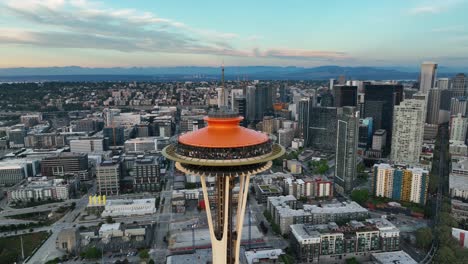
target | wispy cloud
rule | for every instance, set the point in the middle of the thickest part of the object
(83, 24)
(434, 6)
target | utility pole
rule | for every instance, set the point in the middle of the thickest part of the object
(193, 235)
(22, 248)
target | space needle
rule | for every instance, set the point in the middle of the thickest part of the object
(232, 154)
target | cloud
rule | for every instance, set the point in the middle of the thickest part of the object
(301, 54)
(434, 6)
(81, 24)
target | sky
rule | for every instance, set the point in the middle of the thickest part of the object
(127, 33)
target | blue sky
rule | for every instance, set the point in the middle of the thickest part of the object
(107, 33)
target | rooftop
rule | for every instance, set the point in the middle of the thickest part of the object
(395, 257)
(255, 256)
(130, 202)
(109, 227)
(223, 132)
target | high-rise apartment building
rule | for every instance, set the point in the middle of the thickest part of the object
(459, 85)
(458, 127)
(346, 149)
(345, 95)
(427, 77)
(443, 83)
(285, 137)
(400, 183)
(458, 105)
(408, 130)
(433, 106)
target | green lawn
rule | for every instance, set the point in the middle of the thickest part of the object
(36, 216)
(10, 247)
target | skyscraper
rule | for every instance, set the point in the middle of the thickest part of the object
(427, 77)
(318, 126)
(365, 133)
(433, 106)
(115, 135)
(458, 127)
(239, 105)
(380, 101)
(443, 83)
(459, 85)
(345, 95)
(458, 105)
(259, 101)
(346, 149)
(408, 130)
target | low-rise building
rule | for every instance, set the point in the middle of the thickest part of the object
(121, 207)
(68, 240)
(43, 189)
(394, 257)
(146, 144)
(263, 191)
(87, 145)
(331, 242)
(294, 166)
(459, 209)
(15, 170)
(65, 163)
(266, 256)
(309, 188)
(285, 212)
(458, 179)
(44, 141)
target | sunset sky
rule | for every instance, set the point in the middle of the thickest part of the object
(285, 33)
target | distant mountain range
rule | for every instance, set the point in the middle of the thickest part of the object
(75, 73)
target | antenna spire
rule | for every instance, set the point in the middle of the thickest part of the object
(222, 74)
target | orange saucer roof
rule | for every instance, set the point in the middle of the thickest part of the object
(223, 133)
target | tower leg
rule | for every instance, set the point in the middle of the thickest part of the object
(219, 247)
(243, 191)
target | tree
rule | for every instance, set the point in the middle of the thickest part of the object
(109, 220)
(91, 253)
(151, 261)
(144, 254)
(360, 196)
(352, 261)
(360, 169)
(445, 255)
(424, 237)
(447, 219)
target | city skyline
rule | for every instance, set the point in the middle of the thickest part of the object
(144, 33)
